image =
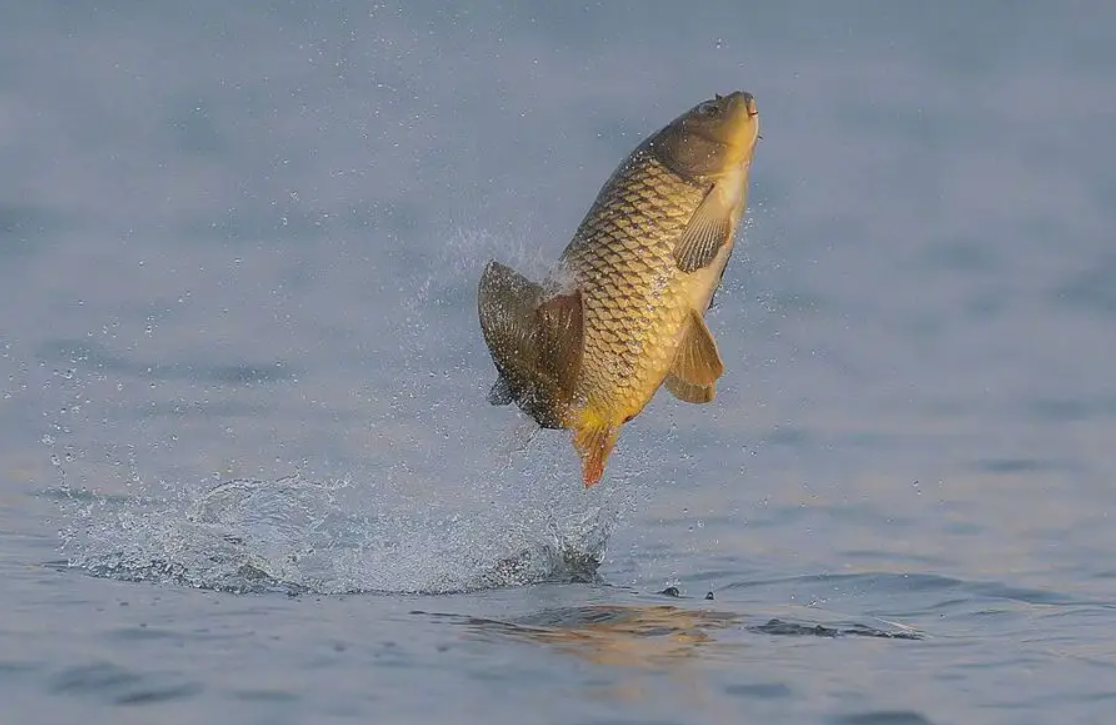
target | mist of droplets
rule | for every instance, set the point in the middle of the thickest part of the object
(494, 507)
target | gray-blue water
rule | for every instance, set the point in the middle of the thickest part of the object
(247, 473)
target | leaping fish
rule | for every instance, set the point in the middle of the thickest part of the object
(623, 312)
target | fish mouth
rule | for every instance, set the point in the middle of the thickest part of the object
(744, 99)
(752, 111)
(748, 101)
(742, 105)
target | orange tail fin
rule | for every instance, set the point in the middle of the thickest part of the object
(593, 444)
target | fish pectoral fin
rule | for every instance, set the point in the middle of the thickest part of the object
(697, 362)
(708, 230)
(688, 392)
(594, 442)
(500, 393)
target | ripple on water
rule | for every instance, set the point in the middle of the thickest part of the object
(917, 584)
(883, 717)
(120, 686)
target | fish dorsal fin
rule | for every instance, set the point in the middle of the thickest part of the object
(697, 361)
(687, 392)
(535, 343)
(708, 230)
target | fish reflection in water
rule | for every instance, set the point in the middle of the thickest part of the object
(614, 634)
(649, 636)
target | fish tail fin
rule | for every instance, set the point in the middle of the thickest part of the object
(594, 440)
(535, 341)
(506, 302)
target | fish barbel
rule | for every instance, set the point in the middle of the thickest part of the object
(623, 312)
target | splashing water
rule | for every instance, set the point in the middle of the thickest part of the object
(503, 511)
(298, 535)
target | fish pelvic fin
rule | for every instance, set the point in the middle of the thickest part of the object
(688, 392)
(594, 439)
(709, 229)
(534, 341)
(697, 364)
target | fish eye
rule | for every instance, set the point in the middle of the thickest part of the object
(709, 108)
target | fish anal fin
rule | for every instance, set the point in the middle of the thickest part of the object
(688, 392)
(594, 442)
(697, 362)
(707, 231)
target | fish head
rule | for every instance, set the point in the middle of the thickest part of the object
(714, 138)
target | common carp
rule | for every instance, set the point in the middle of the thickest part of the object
(623, 312)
